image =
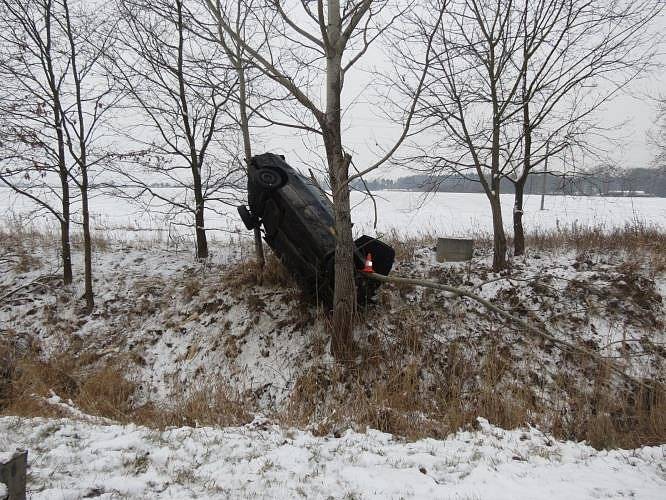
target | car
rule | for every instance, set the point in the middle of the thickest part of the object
(298, 224)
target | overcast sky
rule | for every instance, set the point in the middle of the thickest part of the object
(630, 147)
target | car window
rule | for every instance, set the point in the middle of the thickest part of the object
(318, 193)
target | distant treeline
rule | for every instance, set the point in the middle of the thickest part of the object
(636, 182)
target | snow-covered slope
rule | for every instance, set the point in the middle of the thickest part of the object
(428, 364)
(73, 459)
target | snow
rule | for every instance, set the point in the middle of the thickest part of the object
(259, 339)
(73, 459)
(410, 213)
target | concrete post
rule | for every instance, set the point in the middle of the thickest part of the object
(13, 473)
(454, 249)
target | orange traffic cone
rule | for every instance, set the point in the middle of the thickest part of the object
(368, 264)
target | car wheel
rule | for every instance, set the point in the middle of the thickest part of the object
(270, 178)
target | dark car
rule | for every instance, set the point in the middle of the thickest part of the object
(298, 224)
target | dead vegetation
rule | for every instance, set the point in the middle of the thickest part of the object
(438, 392)
(427, 364)
(101, 388)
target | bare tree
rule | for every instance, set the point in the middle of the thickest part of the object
(54, 99)
(575, 56)
(469, 95)
(319, 43)
(32, 138)
(182, 88)
(515, 82)
(237, 56)
(87, 97)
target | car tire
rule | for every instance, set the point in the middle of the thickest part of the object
(270, 179)
(248, 219)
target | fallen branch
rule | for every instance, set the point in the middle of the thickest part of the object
(41, 281)
(562, 344)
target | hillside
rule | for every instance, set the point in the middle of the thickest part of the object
(174, 342)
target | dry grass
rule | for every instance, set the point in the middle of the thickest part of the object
(206, 406)
(97, 388)
(405, 246)
(418, 397)
(397, 392)
(402, 381)
(635, 239)
(18, 233)
(248, 274)
(101, 389)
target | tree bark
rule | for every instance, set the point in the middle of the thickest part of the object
(519, 185)
(518, 231)
(87, 242)
(65, 246)
(66, 252)
(195, 158)
(200, 228)
(499, 237)
(82, 162)
(247, 146)
(344, 295)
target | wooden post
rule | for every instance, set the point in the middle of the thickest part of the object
(13, 473)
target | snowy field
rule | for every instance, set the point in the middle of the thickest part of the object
(410, 213)
(82, 459)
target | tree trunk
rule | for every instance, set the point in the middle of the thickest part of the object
(82, 162)
(518, 231)
(247, 146)
(499, 237)
(87, 243)
(196, 160)
(344, 295)
(202, 242)
(259, 254)
(519, 185)
(65, 246)
(62, 167)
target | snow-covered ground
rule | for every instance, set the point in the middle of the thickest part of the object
(78, 459)
(188, 325)
(409, 213)
(177, 324)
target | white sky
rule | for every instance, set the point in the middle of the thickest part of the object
(630, 146)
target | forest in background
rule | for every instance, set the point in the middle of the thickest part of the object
(630, 182)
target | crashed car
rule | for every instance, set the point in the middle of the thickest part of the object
(298, 224)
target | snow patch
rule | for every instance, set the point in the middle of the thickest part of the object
(75, 459)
